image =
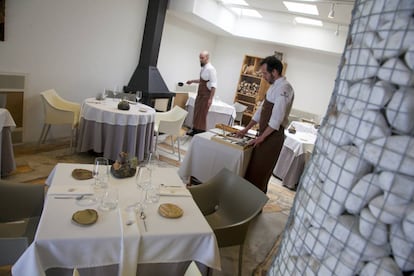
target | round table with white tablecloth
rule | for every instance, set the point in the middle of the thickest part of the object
(106, 129)
(295, 151)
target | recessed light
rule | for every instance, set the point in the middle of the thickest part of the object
(247, 12)
(308, 21)
(234, 2)
(301, 8)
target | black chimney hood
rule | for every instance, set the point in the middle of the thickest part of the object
(146, 77)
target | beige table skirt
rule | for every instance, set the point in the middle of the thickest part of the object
(112, 139)
(289, 167)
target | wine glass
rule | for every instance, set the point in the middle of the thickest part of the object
(138, 95)
(115, 92)
(101, 172)
(143, 180)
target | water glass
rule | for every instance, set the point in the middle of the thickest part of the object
(152, 194)
(101, 172)
(109, 199)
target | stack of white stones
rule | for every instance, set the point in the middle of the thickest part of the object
(354, 210)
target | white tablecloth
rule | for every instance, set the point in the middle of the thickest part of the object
(7, 161)
(219, 112)
(60, 243)
(295, 151)
(205, 158)
(106, 129)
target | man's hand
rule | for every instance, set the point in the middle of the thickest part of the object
(256, 142)
(241, 133)
(189, 82)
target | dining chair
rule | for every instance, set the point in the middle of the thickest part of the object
(170, 122)
(21, 205)
(240, 108)
(229, 204)
(59, 111)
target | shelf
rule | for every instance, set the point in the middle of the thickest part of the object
(245, 95)
(252, 76)
(246, 103)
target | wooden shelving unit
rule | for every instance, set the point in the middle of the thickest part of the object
(251, 88)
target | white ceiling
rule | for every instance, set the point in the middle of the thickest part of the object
(275, 10)
(211, 15)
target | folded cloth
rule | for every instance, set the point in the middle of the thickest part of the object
(174, 191)
(70, 190)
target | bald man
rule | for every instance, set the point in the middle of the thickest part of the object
(207, 84)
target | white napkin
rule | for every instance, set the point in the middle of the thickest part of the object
(70, 190)
(174, 191)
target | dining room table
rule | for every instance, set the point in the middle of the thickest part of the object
(103, 128)
(206, 157)
(219, 112)
(120, 242)
(7, 161)
(299, 142)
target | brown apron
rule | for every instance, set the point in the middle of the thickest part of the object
(201, 106)
(265, 155)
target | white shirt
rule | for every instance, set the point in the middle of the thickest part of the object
(281, 94)
(208, 73)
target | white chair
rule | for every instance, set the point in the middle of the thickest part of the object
(240, 108)
(58, 111)
(170, 122)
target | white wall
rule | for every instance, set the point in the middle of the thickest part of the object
(77, 47)
(179, 51)
(311, 73)
(81, 47)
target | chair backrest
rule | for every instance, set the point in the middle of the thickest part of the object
(229, 203)
(58, 110)
(170, 122)
(20, 200)
(240, 108)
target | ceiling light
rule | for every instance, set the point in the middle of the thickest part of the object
(332, 11)
(308, 21)
(234, 2)
(247, 12)
(301, 8)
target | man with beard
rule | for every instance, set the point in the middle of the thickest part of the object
(272, 116)
(207, 84)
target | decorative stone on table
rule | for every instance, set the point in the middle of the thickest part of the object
(123, 105)
(124, 167)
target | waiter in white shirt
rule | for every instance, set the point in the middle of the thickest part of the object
(207, 84)
(272, 117)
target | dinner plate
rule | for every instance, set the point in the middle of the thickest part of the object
(169, 210)
(81, 174)
(85, 217)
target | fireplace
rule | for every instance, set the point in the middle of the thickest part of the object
(146, 77)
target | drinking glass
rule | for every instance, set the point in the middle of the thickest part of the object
(109, 199)
(101, 172)
(115, 92)
(138, 95)
(143, 180)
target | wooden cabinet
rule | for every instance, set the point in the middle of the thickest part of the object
(251, 88)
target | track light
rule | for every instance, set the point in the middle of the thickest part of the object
(332, 11)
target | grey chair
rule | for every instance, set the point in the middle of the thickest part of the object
(229, 204)
(21, 205)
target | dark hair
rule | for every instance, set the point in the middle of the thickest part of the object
(272, 63)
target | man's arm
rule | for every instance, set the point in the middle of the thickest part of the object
(193, 81)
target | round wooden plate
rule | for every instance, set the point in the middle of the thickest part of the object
(85, 217)
(170, 210)
(81, 174)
